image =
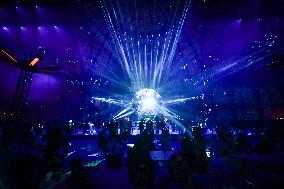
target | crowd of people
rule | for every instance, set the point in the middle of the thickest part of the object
(34, 158)
(29, 162)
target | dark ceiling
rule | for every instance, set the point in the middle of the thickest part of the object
(208, 8)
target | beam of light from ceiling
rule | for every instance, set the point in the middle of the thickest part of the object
(144, 57)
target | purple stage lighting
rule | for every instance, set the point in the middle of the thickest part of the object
(40, 28)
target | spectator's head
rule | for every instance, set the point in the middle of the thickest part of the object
(76, 166)
(140, 144)
(197, 132)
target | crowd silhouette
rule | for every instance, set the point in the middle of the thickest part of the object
(32, 157)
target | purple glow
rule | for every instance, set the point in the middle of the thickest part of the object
(18, 9)
(40, 28)
(224, 51)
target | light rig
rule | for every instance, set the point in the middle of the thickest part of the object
(28, 67)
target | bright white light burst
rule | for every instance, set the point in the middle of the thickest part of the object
(147, 102)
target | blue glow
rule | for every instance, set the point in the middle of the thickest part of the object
(146, 58)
